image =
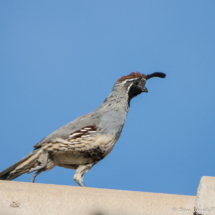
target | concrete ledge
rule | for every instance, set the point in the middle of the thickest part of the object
(205, 199)
(19, 198)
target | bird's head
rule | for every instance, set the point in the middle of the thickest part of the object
(134, 83)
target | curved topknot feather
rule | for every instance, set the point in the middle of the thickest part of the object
(139, 75)
(156, 74)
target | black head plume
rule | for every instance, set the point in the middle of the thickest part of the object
(156, 74)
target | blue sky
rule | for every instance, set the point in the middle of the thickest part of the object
(60, 59)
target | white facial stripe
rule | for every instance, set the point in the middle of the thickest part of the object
(129, 80)
(132, 79)
(129, 87)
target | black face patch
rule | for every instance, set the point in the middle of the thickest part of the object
(134, 91)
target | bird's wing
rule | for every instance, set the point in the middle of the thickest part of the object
(88, 122)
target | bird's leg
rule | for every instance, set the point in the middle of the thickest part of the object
(43, 163)
(35, 175)
(79, 174)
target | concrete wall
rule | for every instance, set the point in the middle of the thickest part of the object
(205, 199)
(19, 198)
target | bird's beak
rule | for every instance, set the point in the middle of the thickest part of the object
(145, 90)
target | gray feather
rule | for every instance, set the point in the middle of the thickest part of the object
(66, 130)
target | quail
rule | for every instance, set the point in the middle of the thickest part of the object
(86, 140)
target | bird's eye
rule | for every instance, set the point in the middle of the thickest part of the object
(136, 83)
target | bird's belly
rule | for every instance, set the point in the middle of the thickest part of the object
(70, 158)
(92, 153)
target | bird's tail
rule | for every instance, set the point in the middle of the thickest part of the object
(22, 166)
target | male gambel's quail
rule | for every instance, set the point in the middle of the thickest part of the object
(88, 139)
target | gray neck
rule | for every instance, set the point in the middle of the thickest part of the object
(114, 111)
(117, 100)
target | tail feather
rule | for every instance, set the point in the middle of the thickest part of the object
(6, 174)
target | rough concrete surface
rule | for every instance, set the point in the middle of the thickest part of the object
(19, 198)
(205, 199)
